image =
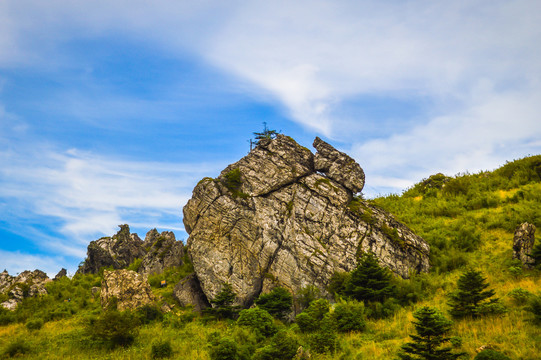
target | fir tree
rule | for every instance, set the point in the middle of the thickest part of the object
(278, 302)
(370, 282)
(266, 134)
(223, 303)
(470, 295)
(431, 327)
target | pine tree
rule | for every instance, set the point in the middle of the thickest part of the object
(223, 303)
(370, 282)
(266, 134)
(431, 327)
(470, 295)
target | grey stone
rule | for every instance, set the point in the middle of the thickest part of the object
(523, 242)
(188, 292)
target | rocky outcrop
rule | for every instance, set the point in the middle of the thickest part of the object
(162, 251)
(282, 216)
(188, 292)
(523, 242)
(118, 251)
(62, 273)
(26, 284)
(157, 252)
(125, 288)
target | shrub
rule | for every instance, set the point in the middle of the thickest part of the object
(17, 347)
(149, 313)
(281, 347)
(349, 316)
(278, 302)
(259, 320)
(534, 307)
(308, 294)
(489, 354)
(519, 296)
(114, 328)
(34, 324)
(225, 349)
(161, 350)
(324, 340)
(309, 320)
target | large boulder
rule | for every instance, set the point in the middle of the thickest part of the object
(279, 217)
(162, 251)
(523, 242)
(188, 292)
(26, 284)
(118, 251)
(125, 288)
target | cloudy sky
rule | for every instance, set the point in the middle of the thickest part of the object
(112, 110)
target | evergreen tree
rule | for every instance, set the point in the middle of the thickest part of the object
(370, 282)
(470, 295)
(431, 327)
(223, 303)
(266, 134)
(278, 302)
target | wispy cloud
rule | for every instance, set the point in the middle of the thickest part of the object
(17, 262)
(88, 195)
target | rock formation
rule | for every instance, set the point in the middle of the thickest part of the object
(62, 273)
(26, 284)
(282, 216)
(129, 290)
(162, 252)
(118, 251)
(188, 292)
(523, 242)
(157, 252)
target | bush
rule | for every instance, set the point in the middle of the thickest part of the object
(149, 313)
(161, 350)
(308, 294)
(16, 348)
(349, 316)
(114, 328)
(223, 304)
(324, 340)
(225, 349)
(520, 296)
(281, 347)
(278, 302)
(259, 320)
(34, 324)
(490, 354)
(534, 307)
(370, 282)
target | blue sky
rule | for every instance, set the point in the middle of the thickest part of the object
(111, 111)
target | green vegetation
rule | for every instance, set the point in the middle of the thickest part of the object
(431, 328)
(277, 302)
(469, 298)
(233, 182)
(468, 220)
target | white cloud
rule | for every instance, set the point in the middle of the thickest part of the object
(89, 195)
(16, 262)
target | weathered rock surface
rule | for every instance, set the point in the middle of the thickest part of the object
(118, 251)
(157, 252)
(26, 284)
(62, 273)
(162, 251)
(129, 289)
(282, 216)
(338, 166)
(523, 242)
(188, 292)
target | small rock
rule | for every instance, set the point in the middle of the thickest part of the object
(523, 242)
(188, 292)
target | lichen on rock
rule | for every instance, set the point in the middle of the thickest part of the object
(296, 224)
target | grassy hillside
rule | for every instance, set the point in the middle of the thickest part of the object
(469, 222)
